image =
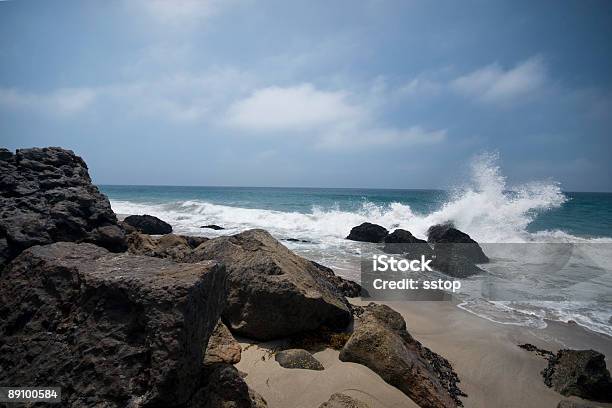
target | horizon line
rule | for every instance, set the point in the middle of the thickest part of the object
(319, 188)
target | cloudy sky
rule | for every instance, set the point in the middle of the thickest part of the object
(370, 93)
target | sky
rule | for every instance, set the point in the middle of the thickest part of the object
(371, 93)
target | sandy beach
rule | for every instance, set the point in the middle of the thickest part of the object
(493, 370)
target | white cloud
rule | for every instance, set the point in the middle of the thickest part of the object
(494, 84)
(62, 102)
(328, 117)
(372, 137)
(296, 108)
(179, 98)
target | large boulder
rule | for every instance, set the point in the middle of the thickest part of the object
(148, 224)
(273, 293)
(380, 342)
(46, 196)
(582, 373)
(368, 232)
(113, 330)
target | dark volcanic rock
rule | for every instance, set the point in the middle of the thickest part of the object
(381, 342)
(213, 227)
(368, 232)
(113, 330)
(448, 234)
(223, 387)
(456, 254)
(534, 349)
(346, 287)
(582, 373)
(222, 347)
(298, 358)
(273, 293)
(46, 196)
(303, 241)
(148, 224)
(403, 242)
(339, 400)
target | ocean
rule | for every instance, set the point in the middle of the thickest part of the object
(485, 207)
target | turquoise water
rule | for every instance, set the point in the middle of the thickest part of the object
(586, 215)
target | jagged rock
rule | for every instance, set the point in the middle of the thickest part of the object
(298, 358)
(113, 330)
(148, 224)
(380, 342)
(574, 404)
(46, 196)
(222, 347)
(582, 373)
(273, 293)
(213, 227)
(339, 400)
(346, 287)
(223, 387)
(534, 349)
(368, 232)
(171, 246)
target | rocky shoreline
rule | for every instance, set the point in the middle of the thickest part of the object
(128, 314)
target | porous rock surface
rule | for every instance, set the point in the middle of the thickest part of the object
(582, 373)
(273, 293)
(46, 195)
(113, 330)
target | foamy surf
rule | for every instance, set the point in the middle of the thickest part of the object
(485, 207)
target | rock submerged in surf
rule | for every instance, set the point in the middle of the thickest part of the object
(368, 232)
(213, 227)
(456, 253)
